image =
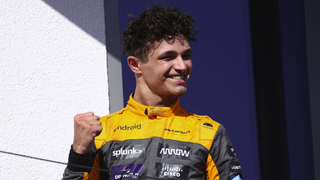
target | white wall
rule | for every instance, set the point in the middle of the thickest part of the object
(50, 70)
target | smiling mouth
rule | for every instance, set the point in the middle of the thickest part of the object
(178, 77)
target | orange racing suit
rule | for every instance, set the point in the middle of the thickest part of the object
(143, 142)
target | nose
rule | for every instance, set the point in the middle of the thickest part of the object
(180, 64)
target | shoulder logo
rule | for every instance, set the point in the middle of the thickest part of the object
(235, 167)
(207, 125)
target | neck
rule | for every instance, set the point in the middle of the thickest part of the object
(148, 99)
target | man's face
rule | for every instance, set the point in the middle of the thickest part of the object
(168, 68)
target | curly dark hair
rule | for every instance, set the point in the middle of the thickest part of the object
(156, 23)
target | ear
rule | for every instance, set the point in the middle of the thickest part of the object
(134, 65)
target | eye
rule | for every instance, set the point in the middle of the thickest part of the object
(186, 57)
(167, 58)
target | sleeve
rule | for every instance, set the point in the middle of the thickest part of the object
(78, 164)
(222, 158)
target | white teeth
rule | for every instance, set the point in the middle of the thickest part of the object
(177, 77)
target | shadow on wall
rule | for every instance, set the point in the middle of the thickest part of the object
(93, 17)
(87, 15)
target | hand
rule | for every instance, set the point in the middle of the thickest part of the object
(86, 127)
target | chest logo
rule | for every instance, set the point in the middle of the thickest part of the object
(164, 170)
(173, 131)
(174, 151)
(128, 127)
(130, 171)
(128, 152)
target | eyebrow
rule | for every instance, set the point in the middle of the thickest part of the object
(188, 51)
(174, 52)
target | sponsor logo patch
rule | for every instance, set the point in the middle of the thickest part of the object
(174, 151)
(155, 112)
(207, 125)
(128, 127)
(164, 170)
(130, 171)
(235, 167)
(128, 152)
(173, 131)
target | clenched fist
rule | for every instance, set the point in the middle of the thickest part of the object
(86, 127)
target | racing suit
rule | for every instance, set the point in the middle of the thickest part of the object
(143, 142)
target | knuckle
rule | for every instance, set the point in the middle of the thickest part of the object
(77, 118)
(90, 113)
(100, 128)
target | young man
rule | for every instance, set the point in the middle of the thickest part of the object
(153, 137)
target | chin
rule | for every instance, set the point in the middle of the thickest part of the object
(181, 92)
(178, 91)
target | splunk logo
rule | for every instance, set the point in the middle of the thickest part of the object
(174, 151)
(128, 127)
(128, 152)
